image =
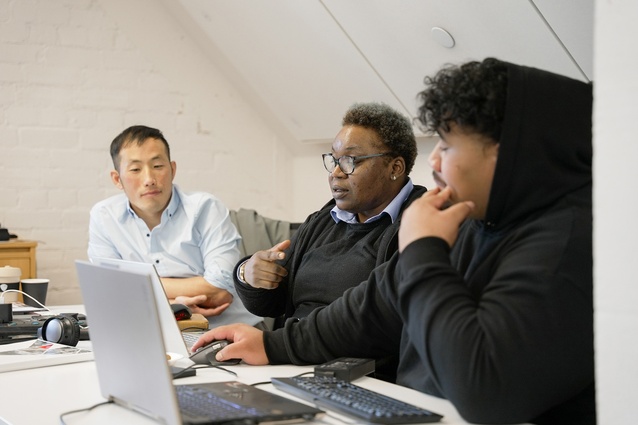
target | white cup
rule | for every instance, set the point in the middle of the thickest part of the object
(10, 279)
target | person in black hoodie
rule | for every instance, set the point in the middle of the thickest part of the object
(489, 300)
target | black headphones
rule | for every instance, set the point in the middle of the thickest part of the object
(63, 329)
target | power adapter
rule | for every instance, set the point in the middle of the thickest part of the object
(346, 368)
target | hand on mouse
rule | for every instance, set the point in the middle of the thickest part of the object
(247, 343)
(207, 353)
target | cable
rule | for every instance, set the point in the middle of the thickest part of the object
(224, 369)
(24, 294)
(202, 366)
(260, 383)
(88, 409)
(269, 382)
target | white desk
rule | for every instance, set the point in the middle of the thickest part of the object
(39, 396)
(42, 394)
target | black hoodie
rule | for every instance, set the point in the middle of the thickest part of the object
(501, 324)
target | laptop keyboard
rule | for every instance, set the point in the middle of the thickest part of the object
(190, 338)
(195, 402)
(353, 400)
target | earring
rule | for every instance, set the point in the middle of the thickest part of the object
(393, 177)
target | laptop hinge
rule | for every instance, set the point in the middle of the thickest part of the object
(137, 409)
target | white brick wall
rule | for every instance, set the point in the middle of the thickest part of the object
(70, 81)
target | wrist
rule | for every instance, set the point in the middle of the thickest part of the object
(241, 273)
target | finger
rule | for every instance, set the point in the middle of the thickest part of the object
(267, 280)
(210, 311)
(265, 275)
(243, 347)
(273, 272)
(266, 284)
(439, 197)
(276, 252)
(220, 332)
(268, 255)
(198, 299)
(203, 340)
(189, 301)
(422, 206)
(281, 246)
(227, 353)
(460, 211)
(231, 351)
(431, 192)
(216, 311)
(270, 271)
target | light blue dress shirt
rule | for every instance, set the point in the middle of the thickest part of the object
(393, 209)
(194, 238)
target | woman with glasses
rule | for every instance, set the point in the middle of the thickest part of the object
(337, 247)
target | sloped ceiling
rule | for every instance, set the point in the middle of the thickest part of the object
(304, 62)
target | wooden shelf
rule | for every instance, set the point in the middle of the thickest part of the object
(21, 254)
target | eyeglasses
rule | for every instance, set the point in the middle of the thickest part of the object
(346, 163)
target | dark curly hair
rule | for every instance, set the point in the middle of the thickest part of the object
(472, 95)
(394, 128)
(135, 134)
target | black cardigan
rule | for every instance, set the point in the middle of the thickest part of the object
(324, 259)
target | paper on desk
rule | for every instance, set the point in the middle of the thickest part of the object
(38, 353)
(44, 348)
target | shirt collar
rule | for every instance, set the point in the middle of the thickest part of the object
(393, 209)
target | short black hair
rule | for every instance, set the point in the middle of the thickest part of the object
(472, 95)
(394, 129)
(135, 134)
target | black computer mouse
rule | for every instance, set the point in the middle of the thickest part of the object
(181, 311)
(206, 354)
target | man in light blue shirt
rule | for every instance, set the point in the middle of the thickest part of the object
(189, 237)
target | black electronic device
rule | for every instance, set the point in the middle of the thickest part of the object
(26, 327)
(181, 312)
(182, 372)
(63, 329)
(5, 235)
(352, 400)
(206, 354)
(20, 328)
(346, 368)
(6, 313)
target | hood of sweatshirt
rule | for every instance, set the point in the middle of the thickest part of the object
(545, 150)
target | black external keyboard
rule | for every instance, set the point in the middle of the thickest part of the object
(352, 400)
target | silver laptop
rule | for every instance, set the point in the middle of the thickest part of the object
(173, 337)
(131, 363)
